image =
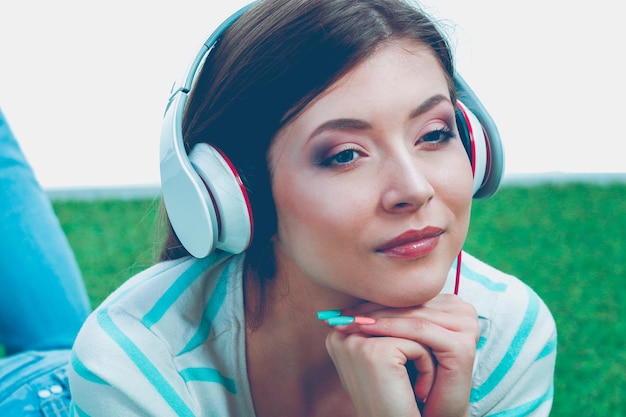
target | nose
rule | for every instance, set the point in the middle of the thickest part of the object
(406, 187)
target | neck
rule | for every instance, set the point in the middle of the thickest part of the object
(283, 315)
(288, 303)
(290, 335)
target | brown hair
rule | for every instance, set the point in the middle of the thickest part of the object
(267, 67)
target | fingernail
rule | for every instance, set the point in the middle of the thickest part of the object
(364, 320)
(327, 314)
(340, 321)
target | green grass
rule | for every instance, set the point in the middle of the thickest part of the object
(112, 240)
(567, 242)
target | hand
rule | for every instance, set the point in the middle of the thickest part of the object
(438, 337)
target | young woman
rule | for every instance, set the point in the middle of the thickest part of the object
(339, 116)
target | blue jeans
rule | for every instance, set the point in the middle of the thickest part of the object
(34, 384)
(39, 277)
(43, 300)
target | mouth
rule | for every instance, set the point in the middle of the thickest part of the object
(413, 244)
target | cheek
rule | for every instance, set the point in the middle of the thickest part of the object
(304, 212)
(456, 171)
(462, 196)
(316, 220)
(455, 186)
(463, 189)
(299, 213)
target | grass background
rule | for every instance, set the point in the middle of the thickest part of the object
(566, 241)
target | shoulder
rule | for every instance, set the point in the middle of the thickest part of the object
(517, 348)
(135, 348)
(498, 296)
(171, 287)
(168, 297)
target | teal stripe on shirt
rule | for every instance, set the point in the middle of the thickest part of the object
(470, 274)
(210, 311)
(527, 408)
(130, 288)
(83, 371)
(481, 342)
(209, 375)
(76, 411)
(144, 364)
(548, 349)
(165, 302)
(507, 362)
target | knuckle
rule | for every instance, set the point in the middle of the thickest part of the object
(419, 326)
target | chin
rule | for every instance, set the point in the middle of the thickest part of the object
(416, 289)
(408, 298)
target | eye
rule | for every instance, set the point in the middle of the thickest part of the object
(341, 158)
(441, 135)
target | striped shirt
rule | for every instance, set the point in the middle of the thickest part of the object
(171, 342)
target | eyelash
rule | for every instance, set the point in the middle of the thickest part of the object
(442, 135)
(331, 161)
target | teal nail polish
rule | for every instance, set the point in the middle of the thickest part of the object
(326, 314)
(340, 321)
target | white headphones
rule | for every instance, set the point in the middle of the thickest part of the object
(204, 196)
(481, 139)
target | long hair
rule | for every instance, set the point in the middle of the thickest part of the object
(267, 67)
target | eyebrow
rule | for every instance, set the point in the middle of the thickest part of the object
(341, 124)
(356, 124)
(428, 105)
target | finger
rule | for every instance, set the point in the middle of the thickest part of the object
(454, 314)
(425, 369)
(381, 364)
(460, 344)
(447, 388)
(407, 327)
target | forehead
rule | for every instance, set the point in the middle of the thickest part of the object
(410, 69)
(391, 60)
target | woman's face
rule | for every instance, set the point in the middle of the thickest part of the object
(372, 184)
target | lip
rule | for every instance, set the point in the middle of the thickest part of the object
(412, 244)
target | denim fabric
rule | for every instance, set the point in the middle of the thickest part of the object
(35, 384)
(40, 281)
(43, 301)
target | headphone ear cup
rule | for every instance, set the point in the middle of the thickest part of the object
(187, 200)
(476, 145)
(229, 200)
(482, 140)
(206, 204)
